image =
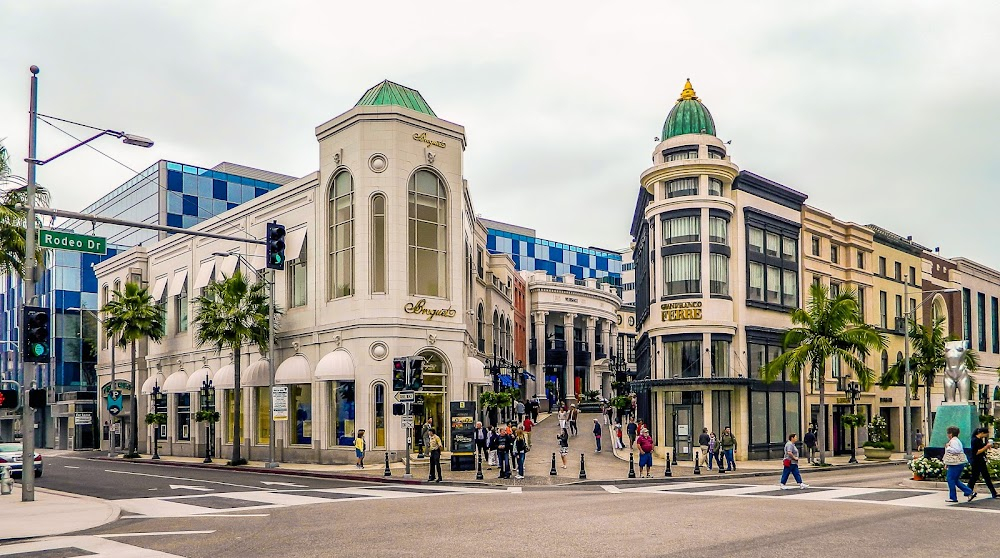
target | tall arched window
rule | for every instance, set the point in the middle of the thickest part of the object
(885, 361)
(427, 235)
(496, 333)
(341, 240)
(480, 337)
(378, 265)
(378, 415)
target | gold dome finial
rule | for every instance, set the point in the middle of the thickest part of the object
(687, 94)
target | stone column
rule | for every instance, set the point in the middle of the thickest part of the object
(590, 336)
(568, 375)
(539, 324)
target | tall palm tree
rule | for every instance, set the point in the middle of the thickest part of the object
(826, 328)
(926, 361)
(231, 313)
(129, 316)
(13, 196)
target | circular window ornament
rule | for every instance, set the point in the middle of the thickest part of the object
(378, 350)
(378, 162)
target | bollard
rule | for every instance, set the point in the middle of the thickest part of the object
(479, 465)
(631, 465)
(6, 481)
(387, 472)
(667, 472)
(552, 471)
(583, 471)
(697, 463)
(675, 458)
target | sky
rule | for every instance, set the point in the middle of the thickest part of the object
(881, 112)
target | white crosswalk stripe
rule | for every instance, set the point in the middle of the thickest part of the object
(91, 547)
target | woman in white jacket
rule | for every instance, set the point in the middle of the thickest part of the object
(955, 459)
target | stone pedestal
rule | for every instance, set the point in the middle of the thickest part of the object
(962, 415)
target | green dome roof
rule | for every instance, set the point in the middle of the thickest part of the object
(688, 116)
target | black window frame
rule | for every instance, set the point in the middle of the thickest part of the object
(783, 228)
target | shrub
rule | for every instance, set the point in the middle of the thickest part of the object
(927, 467)
(877, 430)
(880, 445)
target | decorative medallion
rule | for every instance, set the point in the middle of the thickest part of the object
(378, 350)
(378, 162)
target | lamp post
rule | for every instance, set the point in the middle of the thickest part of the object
(156, 423)
(853, 392)
(207, 403)
(28, 418)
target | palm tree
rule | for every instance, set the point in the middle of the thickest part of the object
(14, 196)
(129, 316)
(231, 313)
(926, 360)
(826, 328)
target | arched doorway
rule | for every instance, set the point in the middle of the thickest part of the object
(435, 392)
(939, 311)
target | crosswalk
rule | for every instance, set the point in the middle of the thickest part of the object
(251, 501)
(79, 546)
(912, 498)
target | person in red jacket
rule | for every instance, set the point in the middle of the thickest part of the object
(528, 423)
(645, 443)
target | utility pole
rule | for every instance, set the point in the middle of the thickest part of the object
(906, 360)
(271, 463)
(28, 417)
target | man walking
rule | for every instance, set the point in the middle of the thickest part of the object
(435, 445)
(528, 423)
(519, 409)
(502, 444)
(918, 441)
(631, 430)
(810, 441)
(574, 413)
(480, 436)
(703, 440)
(728, 443)
(534, 412)
(597, 434)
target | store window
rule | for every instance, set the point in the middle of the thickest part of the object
(181, 310)
(300, 403)
(427, 235)
(714, 184)
(682, 187)
(230, 414)
(759, 355)
(679, 230)
(159, 405)
(718, 230)
(378, 244)
(682, 274)
(378, 418)
(718, 281)
(341, 218)
(342, 413)
(682, 359)
(262, 397)
(720, 358)
(183, 409)
(772, 265)
(298, 281)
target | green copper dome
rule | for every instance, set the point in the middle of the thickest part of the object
(389, 93)
(688, 116)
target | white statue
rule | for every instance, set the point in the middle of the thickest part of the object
(957, 385)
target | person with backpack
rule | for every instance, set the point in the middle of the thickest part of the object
(597, 434)
(645, 442)
(728, 443)
(520, 451)
(810, 441)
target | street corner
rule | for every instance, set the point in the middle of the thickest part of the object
(53, 513)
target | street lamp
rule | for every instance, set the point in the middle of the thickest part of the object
(619, 367)
(157, 403)
(207, 403)
(853, 392)
(28, 418)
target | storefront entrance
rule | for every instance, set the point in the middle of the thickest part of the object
(434, 393)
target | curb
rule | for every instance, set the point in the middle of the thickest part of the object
(115, 512)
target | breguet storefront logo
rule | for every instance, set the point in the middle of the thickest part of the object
(675, 311)
(420, 307)
(423, 137)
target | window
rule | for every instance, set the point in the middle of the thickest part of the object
(759, 355)
(378, 420)
(789, 288)
(262, 397)
(479, 261)
(181, 310)
(427, 235)
(817, 280)
(885, 362)
(298, 281)
(720, 358)
(230, 413)
(718, 230)
(772, 285)
(756, 290)
(861, 259)
(899, 310)
(834, 253)
(681, 155)
(883, 309)
(479, 329)
(772, 265)
(718, 280)
(104, 301)
(183, 416)
(881, 266)
(682, 359)
(898, 269)
(815, 246)
(861, 302)
(996, 325)
(773, 247)
(682, 187)
(714, 153)
(913, 276)
(967, 314)
(981, 311)
(755, 240)
(159, 405)
(714, 184)
(378, 246)
(682, 274)
(682, 229)
(342, 413)
(342, 235)
(789, 249)
(834, 289)
(300, 399)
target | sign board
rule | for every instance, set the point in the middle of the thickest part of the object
(405, 396)
(83, 419)
(114, 394)
(279, 403)
(407, 421)
(463, 423)
(116, 427)
(59, 240)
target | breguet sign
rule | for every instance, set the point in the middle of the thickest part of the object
(420, 307)
(675, 311)
(423, 138)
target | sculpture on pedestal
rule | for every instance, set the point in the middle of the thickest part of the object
(957, 385)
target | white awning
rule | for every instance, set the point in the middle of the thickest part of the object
(226, 266)
(225, 378)
(204, 274)
(336, 365)
(257, 259)
(176, 383)
(294, 370)
(154, 380)
(475, 373)
(293, 244)
(159, 289)
(198, 378)
(257, 374)
(178, 283)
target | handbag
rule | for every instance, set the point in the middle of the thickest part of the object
(954, 459)
(787, 462)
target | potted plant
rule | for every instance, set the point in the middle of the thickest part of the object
(878, 446)
(590, 401)
(926, 468)
(156, 420)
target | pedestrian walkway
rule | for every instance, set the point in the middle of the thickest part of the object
(52, 513)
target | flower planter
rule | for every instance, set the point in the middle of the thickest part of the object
(917, 477)
(877, 454)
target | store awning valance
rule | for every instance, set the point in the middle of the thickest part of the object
(294, 242)
(154, 380)
(176, 383)
(199, 377)
(226, 265)
(336, 365)
(178, 283)
(159, 289)
(205, 273)
(475, 373)
(294, 370)
(257, 374)
(225, 378)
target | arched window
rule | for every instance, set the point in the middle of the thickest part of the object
(480, 338)
(104, 302)
(885, 361)
(427, 235)
(378, 247)
(341, 242)
(496, 333)
(378, 415)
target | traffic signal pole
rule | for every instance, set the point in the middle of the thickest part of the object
(28, 414)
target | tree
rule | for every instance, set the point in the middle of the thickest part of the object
(129, 316)
(826, 328)
(926, 361)
(14, 196)
(232, 313)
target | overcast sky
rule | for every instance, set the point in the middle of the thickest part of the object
(881, 112)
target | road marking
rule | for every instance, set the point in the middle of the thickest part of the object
(183, 479)
(153, 534)
(69, 467)
(514, 489)
(235, 515)
(91, 545)
(288, 484)
(186, 487)
(611, 489)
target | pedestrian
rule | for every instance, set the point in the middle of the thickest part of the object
(494, 459)
(645, 442)
(632, 429)
(980, 446)
(955, 460)
(574, 413)
(703, 440)
(728, 443)
(425, 432)
(619, 444)
(918, 440)
(611, 413)
(520, 451)
(502, 445)
(534, 412)
(713, 444)
(528, 424)
(640, 426)
(563, 418)
(563, 438)
(717, 454)
(604, 412)
(435, 445)
(810, 441)
(359, 448)
(519, 409)
(597, 434)
(481, 437)
(791, 463)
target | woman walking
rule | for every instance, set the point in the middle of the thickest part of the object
(955, 459)
(563, 415)
(980, 446)
(521, 451)
(597, 434)
(712, 445)
(563, 438)
(791, 463)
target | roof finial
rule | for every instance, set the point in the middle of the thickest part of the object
(687, 94)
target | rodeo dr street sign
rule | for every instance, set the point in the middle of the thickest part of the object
(59, 240)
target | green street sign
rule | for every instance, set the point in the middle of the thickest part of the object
(59, 240)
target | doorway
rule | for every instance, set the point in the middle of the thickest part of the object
(683, 431)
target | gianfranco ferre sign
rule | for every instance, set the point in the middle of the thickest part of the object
(420, 307)
(674, 311)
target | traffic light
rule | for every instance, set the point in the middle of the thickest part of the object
(398, 409)
(37, 398)
(416, 373)
(399, 374)
(8, 399)
(275, 246)
(36, 334)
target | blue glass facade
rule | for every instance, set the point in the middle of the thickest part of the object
(555, 258)
(195, 194)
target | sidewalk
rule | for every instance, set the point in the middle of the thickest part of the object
(52, 513)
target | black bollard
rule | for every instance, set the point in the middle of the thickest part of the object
(420, 449)
(697, 463)
(667, 472)
(387, 472)
(583, 471)
(675, 458)
(479, 465)
(552, 471)
(631, 465)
